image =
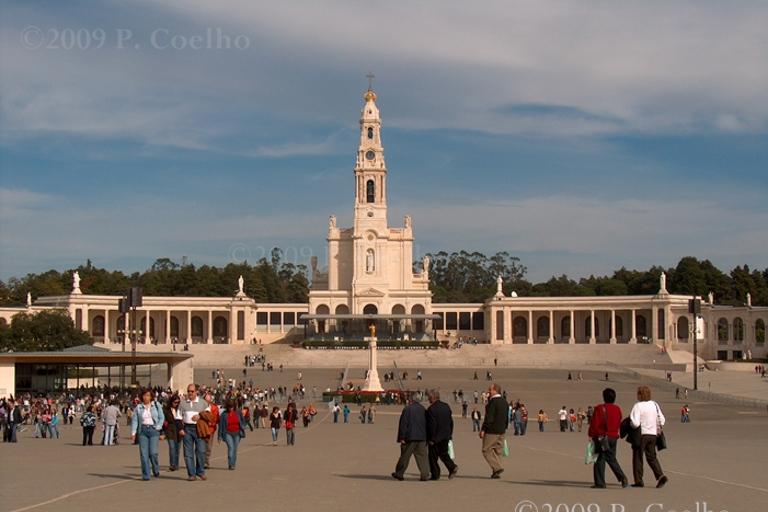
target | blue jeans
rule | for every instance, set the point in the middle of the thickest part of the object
(53, 428)
(275, 432)
(290, 436)
(149, 438)
(173, 452)
(475, 425)
(194, 452)
(109, 435)
(233, 441)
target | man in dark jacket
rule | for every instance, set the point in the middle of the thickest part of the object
(606, 421)
(412, 436)
(493, 429)
(439, 434)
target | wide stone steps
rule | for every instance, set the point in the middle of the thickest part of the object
(565, 356)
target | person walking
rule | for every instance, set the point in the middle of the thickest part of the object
(147, 428)
(439, 435)
(647, 416)
(109, 418)
(684, 414)
(213, 424)
(412, 437)
(194, 445)
(606, 423)
(275, 420)
(88, 422)
(493, 430)
(290, 417)
(476, 417)
(172, 425)
(542, 419)
(231, 430)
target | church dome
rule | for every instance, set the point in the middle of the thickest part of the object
(370, 96)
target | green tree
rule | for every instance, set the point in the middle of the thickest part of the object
(50, 330)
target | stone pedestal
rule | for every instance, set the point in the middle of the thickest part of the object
(372, 382)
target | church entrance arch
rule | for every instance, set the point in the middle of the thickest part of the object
(322, 309)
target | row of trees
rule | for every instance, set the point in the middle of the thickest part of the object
(455, 277)
(271, 281)
(465, 277)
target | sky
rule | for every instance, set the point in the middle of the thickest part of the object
(581, 137)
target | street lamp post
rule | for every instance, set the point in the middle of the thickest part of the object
(129, 304)
(694, 308)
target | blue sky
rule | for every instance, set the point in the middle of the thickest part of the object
(579, 136)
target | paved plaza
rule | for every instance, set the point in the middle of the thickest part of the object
(718, 459)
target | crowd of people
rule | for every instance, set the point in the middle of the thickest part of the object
(192, 421)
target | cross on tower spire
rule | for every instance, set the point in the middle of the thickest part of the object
(370, 76)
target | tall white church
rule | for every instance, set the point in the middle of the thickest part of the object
(370, 278)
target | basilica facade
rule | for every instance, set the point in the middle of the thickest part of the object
(371, 286)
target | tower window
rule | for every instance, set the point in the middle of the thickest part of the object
(370, 192)
(370, 133)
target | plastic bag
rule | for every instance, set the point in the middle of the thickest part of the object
(591, 455)
(505, 452)
(451, 453)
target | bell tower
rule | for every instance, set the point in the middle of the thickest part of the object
(370, 170)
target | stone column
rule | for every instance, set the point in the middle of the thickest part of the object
(613, 326)
(592, 337)
(633, 322)
(189, 326)
(530, 327)
(167, 329)
(209, 341)
(572, 338)
(372, 382)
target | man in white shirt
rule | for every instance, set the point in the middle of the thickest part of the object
(647, 416)
(194, 446)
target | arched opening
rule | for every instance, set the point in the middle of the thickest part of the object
(322, 309)
(519, 330)
(682, 329)
(641, 327)
(370, 192)
(760, 330)
(418, 325)
(370, 133)
(97, 326)
(565, 328)
(220, 329)
(197, 329)
(398, 323)
(370, 309)
(174, 328)
(722, 330)
(738, 330)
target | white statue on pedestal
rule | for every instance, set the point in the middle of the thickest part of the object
(749, 299)
(240, 284)
(76, 282)
(499, 287)
(29, 300)
(711, 298)
(407, 222)
(663, 282)
(332, 222)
